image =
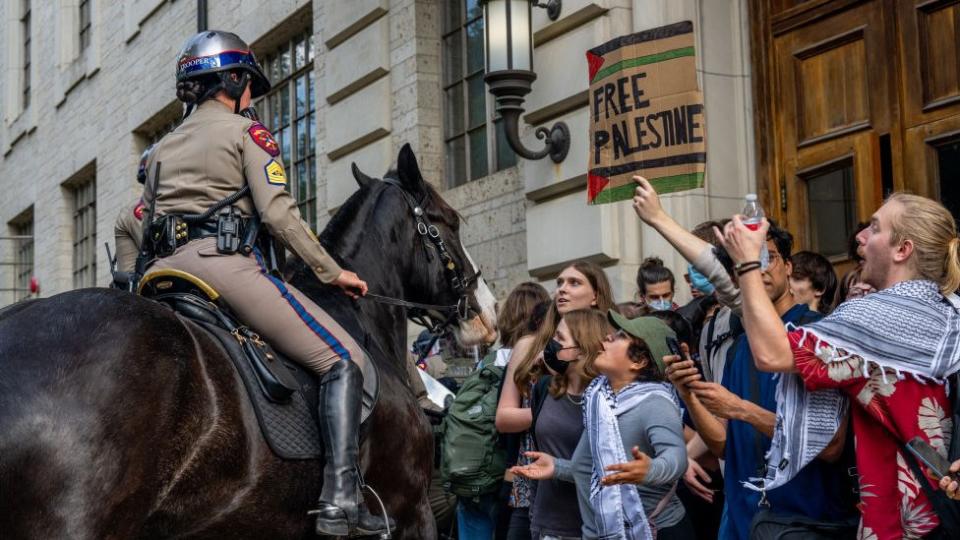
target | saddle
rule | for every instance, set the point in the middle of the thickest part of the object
(284, 394)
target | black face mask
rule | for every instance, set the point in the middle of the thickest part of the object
(550, 357)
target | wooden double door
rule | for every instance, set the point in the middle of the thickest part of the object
(854, 99)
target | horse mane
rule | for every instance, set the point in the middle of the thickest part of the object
(341, 220)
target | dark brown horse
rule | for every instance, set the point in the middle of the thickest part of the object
(117, 420)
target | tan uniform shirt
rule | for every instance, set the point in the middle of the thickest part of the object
(213, 154)
(128, 233)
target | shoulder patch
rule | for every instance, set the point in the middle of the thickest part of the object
(138, 210)
(262, 137)
(275, 174)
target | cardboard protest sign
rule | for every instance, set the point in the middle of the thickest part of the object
(646, 114)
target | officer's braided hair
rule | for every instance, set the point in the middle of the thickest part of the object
(197, 89)
(190, 91)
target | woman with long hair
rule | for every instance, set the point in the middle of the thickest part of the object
(582, 285)
(557, 405)
(628, 406)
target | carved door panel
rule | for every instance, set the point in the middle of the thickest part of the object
(834, 185)
(930, 51)
(929, 36)
(835, 87)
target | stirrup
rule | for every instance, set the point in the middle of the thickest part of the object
(385, 535)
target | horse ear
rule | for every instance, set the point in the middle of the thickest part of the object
(408, 170)
(362, 179)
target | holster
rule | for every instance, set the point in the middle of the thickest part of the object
(229, 231)
(167, 234)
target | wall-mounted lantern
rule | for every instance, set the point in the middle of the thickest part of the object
(510, 75)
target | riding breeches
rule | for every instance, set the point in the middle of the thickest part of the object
(277, 311)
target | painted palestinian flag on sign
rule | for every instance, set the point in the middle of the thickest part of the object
(646, 114)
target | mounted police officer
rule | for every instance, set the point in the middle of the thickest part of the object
(128, 229)
(216, 153)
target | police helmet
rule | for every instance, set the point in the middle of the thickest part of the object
(142, 169)
(217, 53)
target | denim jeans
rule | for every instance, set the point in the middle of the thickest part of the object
(477, 518)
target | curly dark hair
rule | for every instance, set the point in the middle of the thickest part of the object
(782, 239)
(679, 324)
(639, 351)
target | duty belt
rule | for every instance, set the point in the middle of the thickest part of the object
(201, 230)
(185, 232)
(233, 232)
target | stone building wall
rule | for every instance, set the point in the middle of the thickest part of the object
(378, 69)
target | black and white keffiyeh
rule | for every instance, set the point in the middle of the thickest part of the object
(909, 329)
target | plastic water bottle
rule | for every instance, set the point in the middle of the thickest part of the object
(752, 216)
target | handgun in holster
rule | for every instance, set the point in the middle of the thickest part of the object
(229, 231)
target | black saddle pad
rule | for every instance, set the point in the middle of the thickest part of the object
(290, 428)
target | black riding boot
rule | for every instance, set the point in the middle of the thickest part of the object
(341, 511)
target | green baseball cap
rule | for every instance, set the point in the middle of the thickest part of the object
(653, 331)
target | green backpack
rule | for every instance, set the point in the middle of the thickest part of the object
(472, 459)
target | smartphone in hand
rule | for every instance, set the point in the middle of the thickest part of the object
(674, 347)
(929, 458)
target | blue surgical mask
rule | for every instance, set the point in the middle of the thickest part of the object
(699, 281)
(661, 305)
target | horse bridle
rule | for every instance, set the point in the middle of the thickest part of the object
(426, 315)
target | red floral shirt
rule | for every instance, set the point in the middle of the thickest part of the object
(886, 412)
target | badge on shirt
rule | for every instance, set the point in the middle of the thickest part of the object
(138, 210)
(264, 139)
(275, 174)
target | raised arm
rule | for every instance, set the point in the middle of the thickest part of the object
(765, 331)
(646, 203)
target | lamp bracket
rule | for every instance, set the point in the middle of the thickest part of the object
(510, 87)
(553, 8)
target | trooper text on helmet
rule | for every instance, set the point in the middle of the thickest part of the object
(215, 60)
